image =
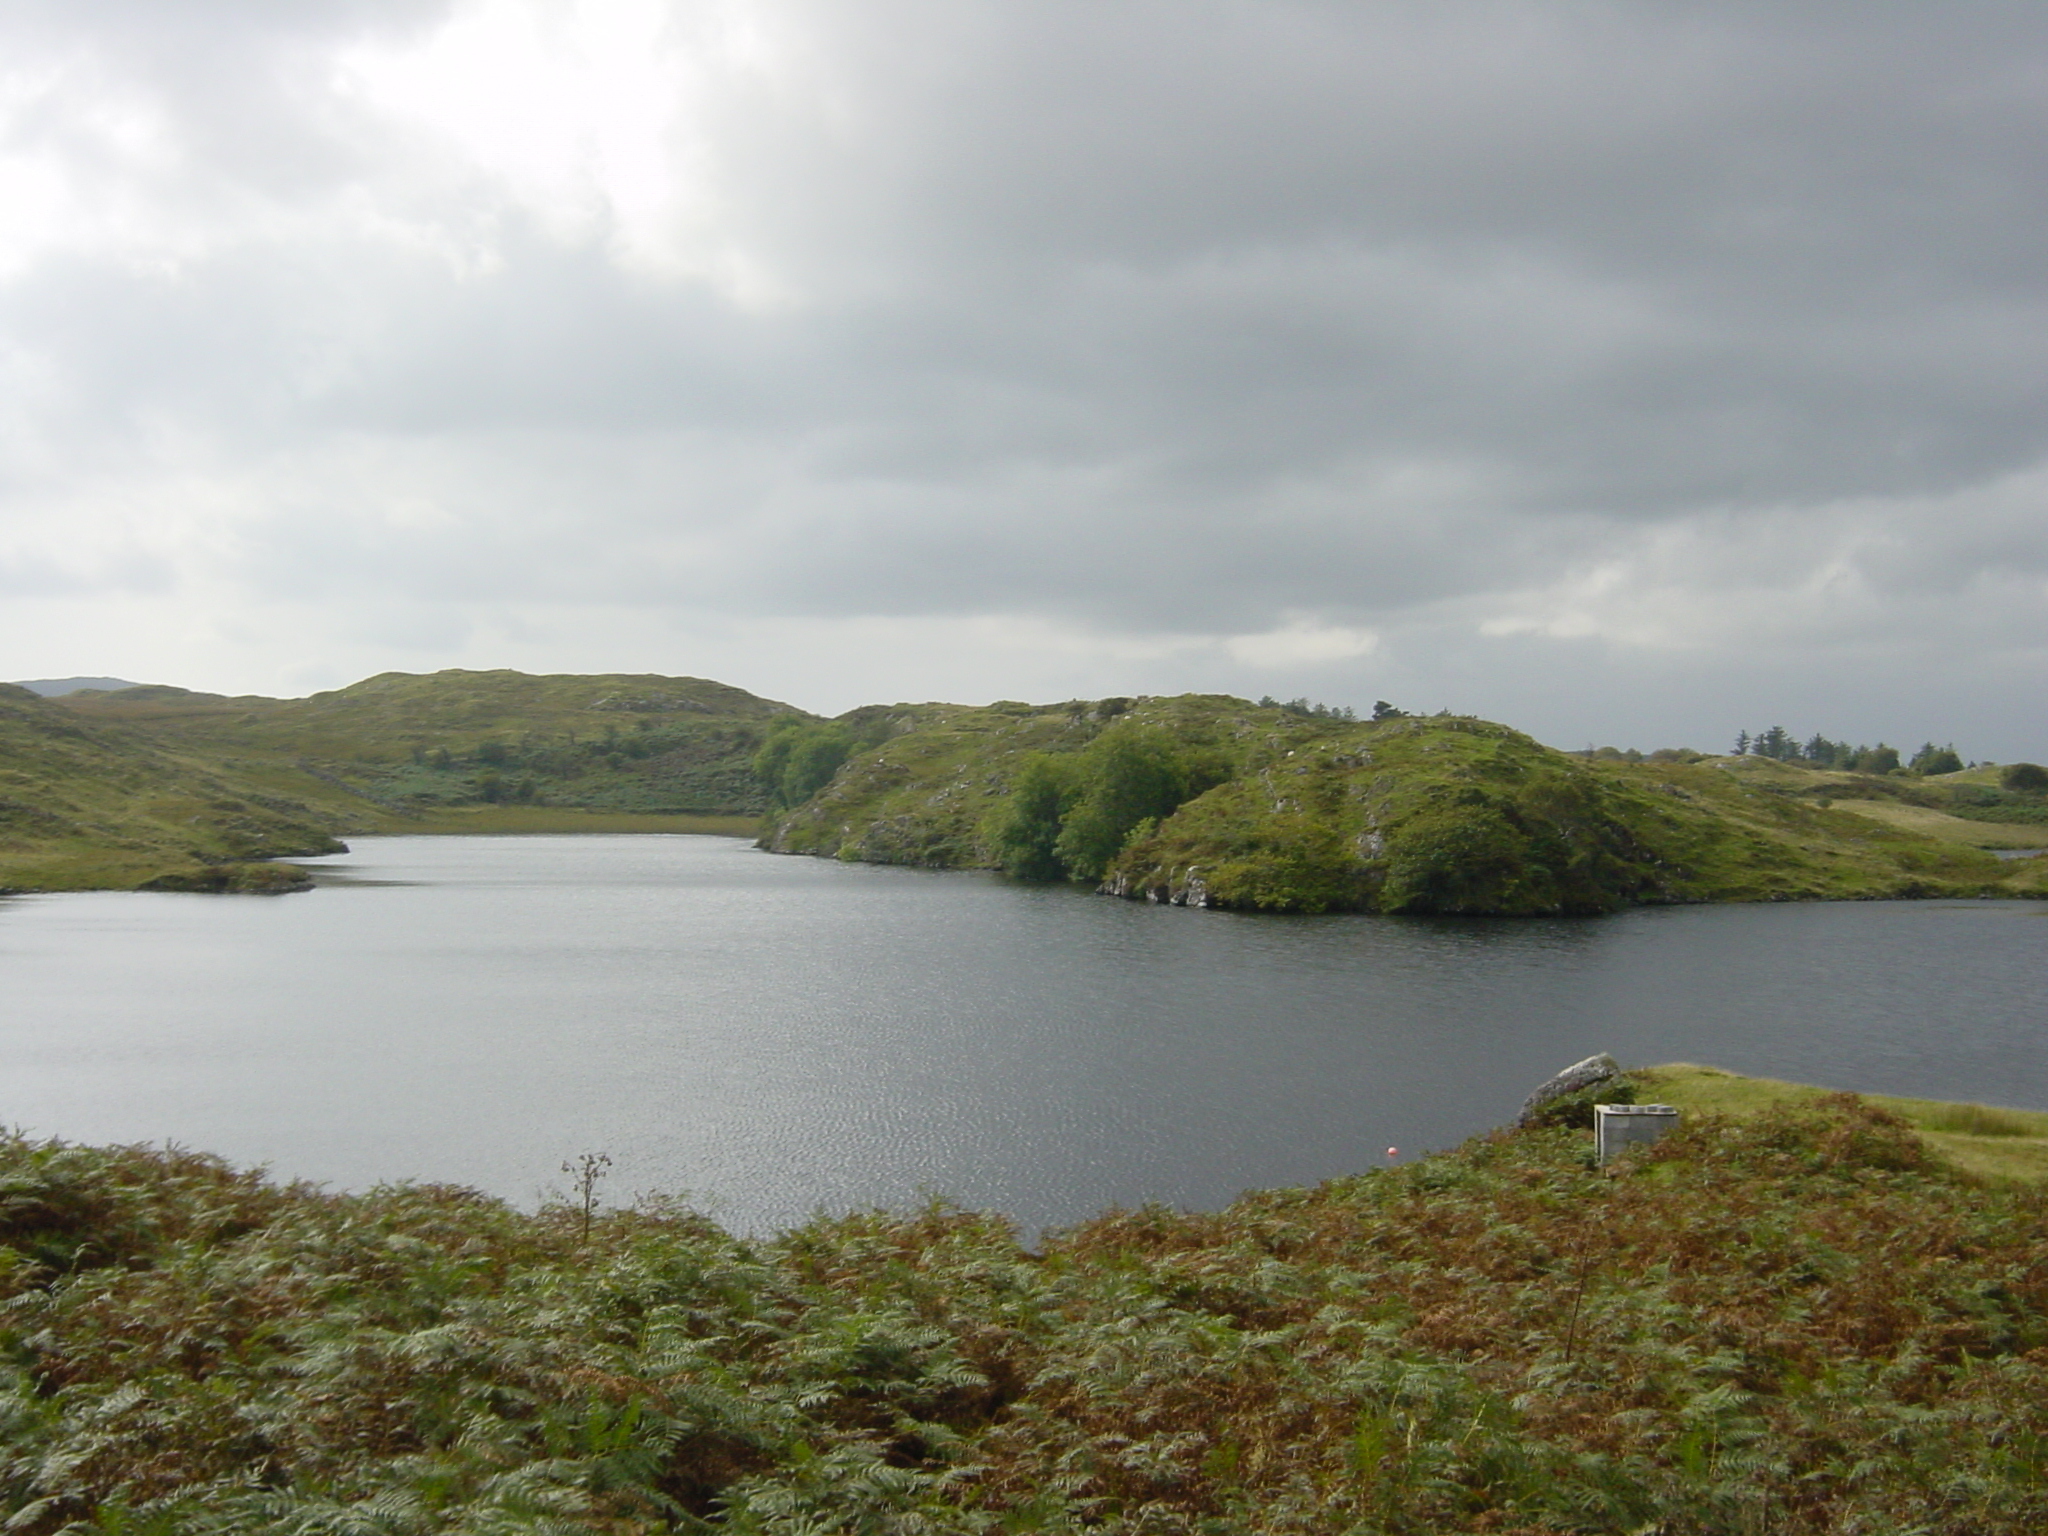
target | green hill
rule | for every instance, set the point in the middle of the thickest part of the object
(156, 785)
(95, 806)
(399, 747)
(1202, 799)
(1211, 801)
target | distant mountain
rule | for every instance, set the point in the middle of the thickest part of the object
(57, 687)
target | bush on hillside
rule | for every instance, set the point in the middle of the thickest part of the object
(2024, 778)
(1574, 1111)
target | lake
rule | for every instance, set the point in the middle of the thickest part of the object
(769, 1036)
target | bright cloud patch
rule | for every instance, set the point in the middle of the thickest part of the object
(1302, 642)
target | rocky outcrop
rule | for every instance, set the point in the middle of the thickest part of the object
(1576, 1078)
(1177, 888)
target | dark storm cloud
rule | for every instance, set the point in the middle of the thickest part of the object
(1170, 319)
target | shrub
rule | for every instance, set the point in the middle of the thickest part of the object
(2024, 778)
(1574, 1111)
(1794, 1324)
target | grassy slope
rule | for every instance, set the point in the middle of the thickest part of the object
(1969, 807)
(115, 790)
(632, 743)
(1794, 1322)
(1431, 814)
(1979, 1139)
(923, 795)
(1950, 828)
(93, 806)
(1416, 815)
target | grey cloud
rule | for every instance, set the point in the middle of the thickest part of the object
(1144, 316)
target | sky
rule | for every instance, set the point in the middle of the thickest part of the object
(1632, 373)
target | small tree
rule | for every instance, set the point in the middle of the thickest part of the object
(588, 1171)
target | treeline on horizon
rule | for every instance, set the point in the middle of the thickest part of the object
(1781, 746)
(1817, 751)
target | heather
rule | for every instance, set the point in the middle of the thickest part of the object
(1799, 1321)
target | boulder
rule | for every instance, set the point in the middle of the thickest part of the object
(1573, 1079)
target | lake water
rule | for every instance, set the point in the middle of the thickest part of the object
(771, 1035)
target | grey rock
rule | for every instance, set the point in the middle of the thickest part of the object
(1580, 1075)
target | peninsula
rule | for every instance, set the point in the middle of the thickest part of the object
(1199, 800)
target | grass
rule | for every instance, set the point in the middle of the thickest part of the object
(1792, 1320)
(157, 785)
(1929, 822)
(1984, 1140)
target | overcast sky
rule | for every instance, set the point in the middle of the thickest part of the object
(1628, 372)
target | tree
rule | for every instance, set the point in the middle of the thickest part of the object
(1027, 828)
(773, 755)
(1068, 815)
(816, 757)
(1933, 759)
(1128, 773)
(1742, 743)
(1775, 743)
(799, 759)
(1822, 752)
